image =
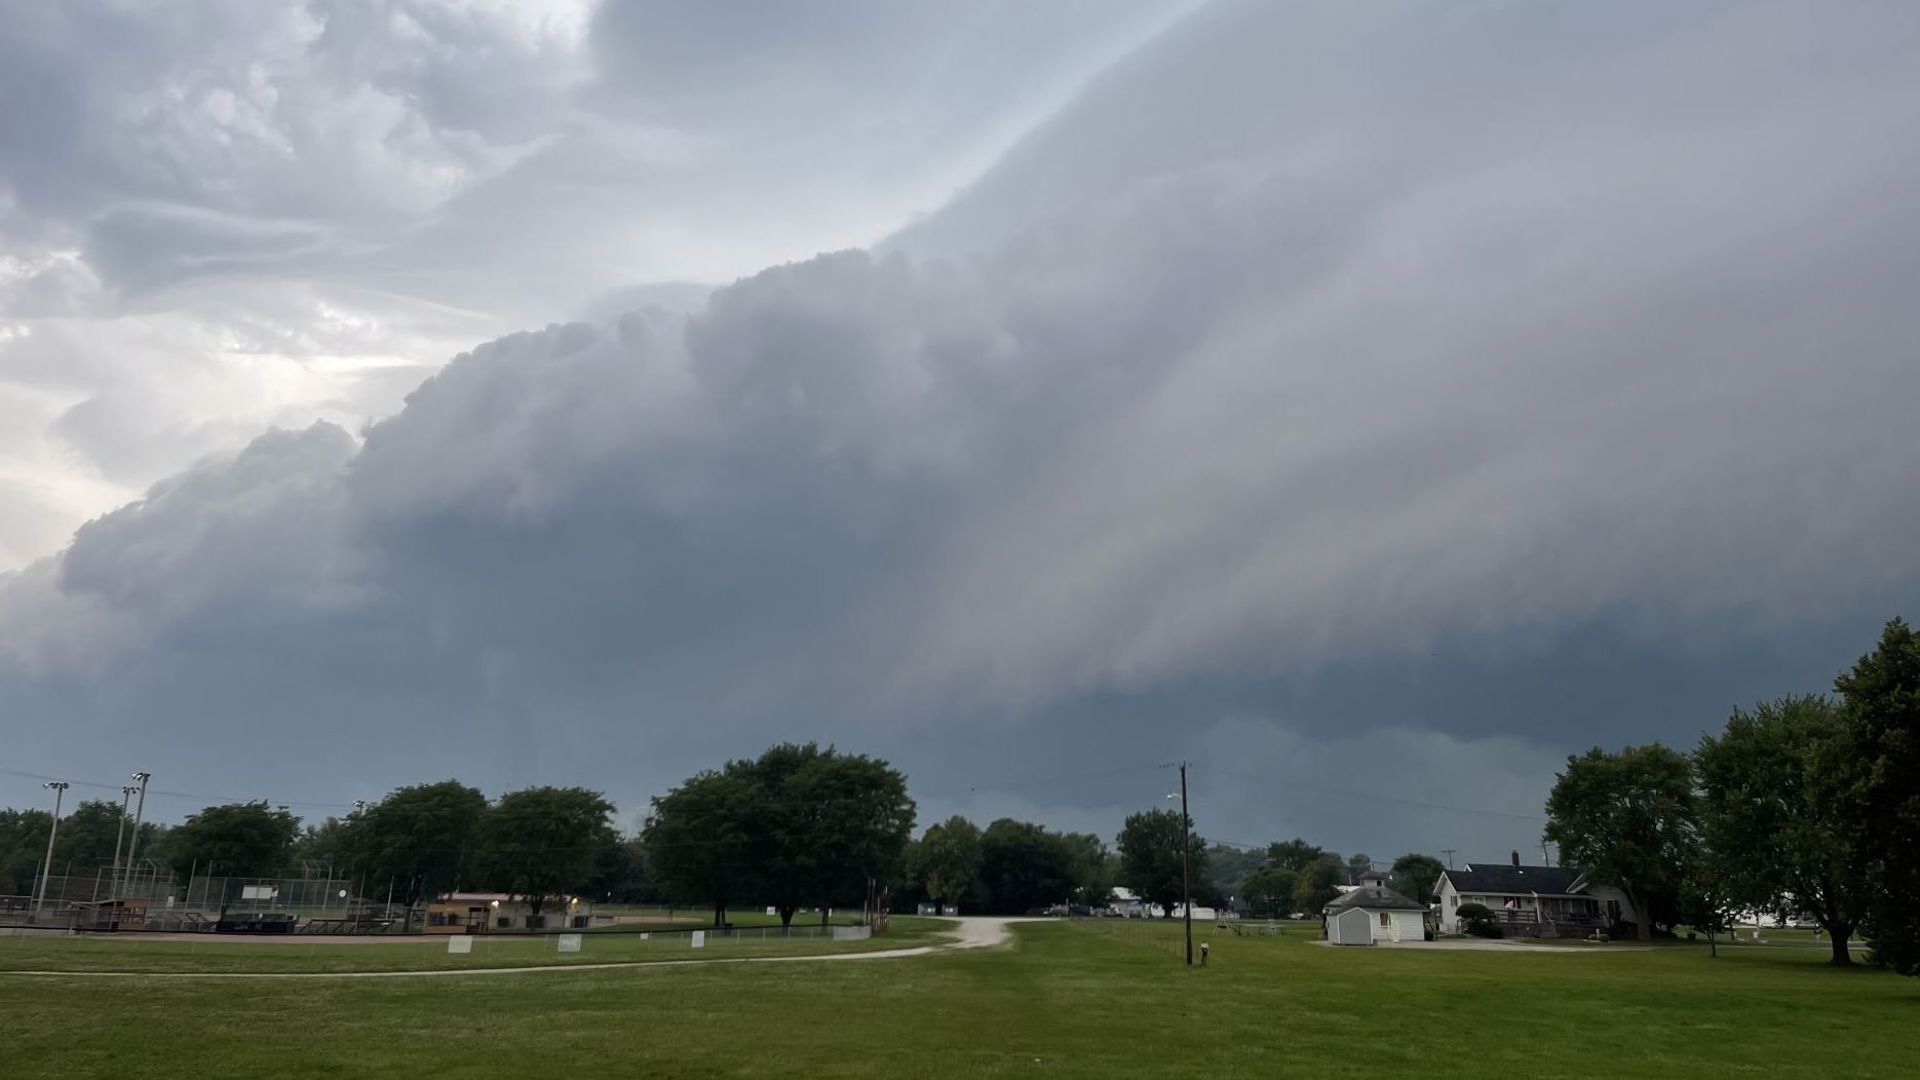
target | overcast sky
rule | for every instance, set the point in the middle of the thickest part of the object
(1371, 404)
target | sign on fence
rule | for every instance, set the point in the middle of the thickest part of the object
(569, 942)
(699, 939)
(459, 945)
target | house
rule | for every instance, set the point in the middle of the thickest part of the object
(1545, 901)
(481, 912)
(1366, 914)
(1126, 904)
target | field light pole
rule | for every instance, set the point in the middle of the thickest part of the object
(1186, 845)
(59, 788)
(139, 808)
(119, 831)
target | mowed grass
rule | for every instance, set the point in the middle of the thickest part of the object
(1063, 1002)
(137, 953)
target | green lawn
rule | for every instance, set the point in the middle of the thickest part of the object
(1067, 1001)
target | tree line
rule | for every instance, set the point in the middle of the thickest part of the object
(1807, 806)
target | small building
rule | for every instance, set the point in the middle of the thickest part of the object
(1349, 927)
(120, 914)
(485, 912)
(1384, 915)
(1540, 901)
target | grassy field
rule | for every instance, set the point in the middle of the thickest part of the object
(205, 954)
(1065, 1001)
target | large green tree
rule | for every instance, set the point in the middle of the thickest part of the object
(1024, 866)
(232, 842)
(1094, 869)
(23, 844)
(1627, 818)
(1415, 876)
(418, 842)
(700, 840)
(1269, 892)
(543, 843)
(1295, 854)
(1229, 867)
(947, 860)
(1316, 886)
(1880, 698)
(1778, 812)
(1150, 845)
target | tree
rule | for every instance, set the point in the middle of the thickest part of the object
(236, 841)
(1416, 876)
(1880, 699)
(419, 840)
(1295, 854)
(1269, 892)
(620, 874)
(86, 839)
(1627, 818)
(699, 839)
(1093, 869)
(1778, 814)
(23, 843)
(543, 843)
(1316, 886)
(1024, 866)
(1150, 849)
(848, 819)
(1358, 866)
(1228, 868)
(947, 862)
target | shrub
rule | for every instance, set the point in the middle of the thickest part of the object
(1473, 912)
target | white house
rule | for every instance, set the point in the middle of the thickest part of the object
(1548, 901)
(1383, 915)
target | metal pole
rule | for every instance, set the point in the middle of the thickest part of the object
(1186, 843)
(138, 809)
(59, 792)
(113, 886)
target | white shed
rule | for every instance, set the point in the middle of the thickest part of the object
(1349, 927)
(1384, 915)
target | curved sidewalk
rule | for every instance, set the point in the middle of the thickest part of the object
(968, 933)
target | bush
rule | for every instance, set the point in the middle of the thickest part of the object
(1473, 912)
(1478, 920)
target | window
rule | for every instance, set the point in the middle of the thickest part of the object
(1453, 901)
(505, 923)
(1385, 919)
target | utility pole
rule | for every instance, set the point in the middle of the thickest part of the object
(139, 808)
(1448, 852)
(1186, 845)
(59, 788)
(119, 829)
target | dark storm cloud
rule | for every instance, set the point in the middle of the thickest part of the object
(1385, 399)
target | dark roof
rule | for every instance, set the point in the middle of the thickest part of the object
(1373, 897)
(1505, 878)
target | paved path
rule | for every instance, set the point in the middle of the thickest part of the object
(1497, 945)
(971, 932)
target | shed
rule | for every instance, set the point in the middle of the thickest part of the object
(1349, 927)
(1388, 915)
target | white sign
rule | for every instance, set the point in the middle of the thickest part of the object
(699, 939)
(459, 945)
(645, 936)
(569, 942)
(259, 892)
